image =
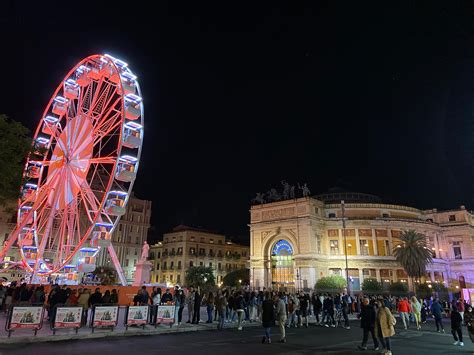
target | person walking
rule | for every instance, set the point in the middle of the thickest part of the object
(281, 316)
(317, 306)
(385, 323)
(437, 310)
(190, 303)
(456, 326)
(469, 321)
(239, 308)
(268, 318)
(221, 305)
(415, 306)
(367, 323)
(404, 309)
(197, 308)
(328, 311)
(180, 301)
(209, 306)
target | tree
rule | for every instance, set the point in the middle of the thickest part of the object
(398, 288)
(423, 290)
(106, 274)
(232, 278)
(200, 276)
(413, 254)
(331, 284)
(14, 147)
(371, 286)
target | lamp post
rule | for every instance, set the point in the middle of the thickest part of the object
(345, 244)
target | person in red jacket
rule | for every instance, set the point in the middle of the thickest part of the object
(404, 310)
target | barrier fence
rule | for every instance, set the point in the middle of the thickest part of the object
(75, 317)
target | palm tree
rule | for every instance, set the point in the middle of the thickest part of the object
(413, 254)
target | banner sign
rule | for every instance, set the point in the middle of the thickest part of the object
(165, 314)
(26, 317)
(68, 317)
(105, 316)
(137, 315)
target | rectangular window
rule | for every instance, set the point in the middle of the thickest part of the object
(200, 263)
(192, 251)
(191, 264)
(210, 264)
(164, 265)
(179, 264)
(126, 262)
(364, 247)
(452, 217)
(172, 265)
(457, 250)
(334, 245)
(318, 243)
(171, 277)
(134, 262)
(178, 278)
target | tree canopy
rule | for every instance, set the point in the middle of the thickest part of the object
(106, 274)
(200, 276)
(371, 286)
(233, 277)
(14, 146)
(413, 253)
(331, 284)
(398, 288)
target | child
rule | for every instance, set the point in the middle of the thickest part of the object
(456, 326)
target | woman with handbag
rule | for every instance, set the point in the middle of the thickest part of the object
(384, 329)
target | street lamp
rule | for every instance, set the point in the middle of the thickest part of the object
(345, 244)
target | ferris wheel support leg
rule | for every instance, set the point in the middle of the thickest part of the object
(117, 265)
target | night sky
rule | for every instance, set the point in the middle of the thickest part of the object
(376, 99)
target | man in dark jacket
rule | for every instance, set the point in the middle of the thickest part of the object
(317, 306)
(367, 323)
(268, 317)
(436, 310)
(328, 311)
(95, 298)
(197, 308)
(456, 326)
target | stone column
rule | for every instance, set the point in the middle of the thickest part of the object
(377, 275)
(432, 276)
(361, 276)
(341, 243)
(374, 241)
(357, 241)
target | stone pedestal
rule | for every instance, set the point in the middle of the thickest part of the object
(142, 273)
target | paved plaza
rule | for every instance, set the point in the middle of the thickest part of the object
(314, 340)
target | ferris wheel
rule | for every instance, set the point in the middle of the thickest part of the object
(80, 172)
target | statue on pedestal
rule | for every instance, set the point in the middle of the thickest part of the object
(145, 250)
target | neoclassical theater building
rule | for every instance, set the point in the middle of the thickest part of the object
(295, 242)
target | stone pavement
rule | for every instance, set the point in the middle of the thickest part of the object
(45, 334)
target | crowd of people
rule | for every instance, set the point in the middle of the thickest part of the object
(286, 310)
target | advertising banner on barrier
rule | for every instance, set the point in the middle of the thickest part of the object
(26, 317)
(165, 314)
(137, 315)
(105, 316)
(68, 317)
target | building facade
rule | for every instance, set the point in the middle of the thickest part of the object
(128, 236)
(295, 242)
(185, 247)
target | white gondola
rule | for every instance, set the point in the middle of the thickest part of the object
(82, 76)
(126, 171)
(30, 253)
(132, 134)
(128, 82)
(101, 235)
(115, 204)
(41, 146)
(23, 212)
(71, 89)
(28, 190)
(60, 105)
(49, 124)
(33, 170)
(86, 261)
(132, 106)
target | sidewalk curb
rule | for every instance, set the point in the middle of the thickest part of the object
(110, 334)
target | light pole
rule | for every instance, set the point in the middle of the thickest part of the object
(345, 244)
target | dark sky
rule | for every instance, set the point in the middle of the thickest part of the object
(376, 99)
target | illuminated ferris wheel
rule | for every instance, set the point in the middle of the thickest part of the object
(81, 170)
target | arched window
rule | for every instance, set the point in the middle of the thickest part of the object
(283, 278)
